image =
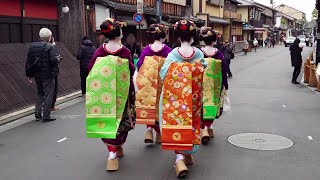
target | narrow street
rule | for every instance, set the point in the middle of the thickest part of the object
(263, 101)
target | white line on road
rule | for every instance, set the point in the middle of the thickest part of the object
(63, 139)
(284, 106)
(310, 138)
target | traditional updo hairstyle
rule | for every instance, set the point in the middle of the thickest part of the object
(157, 32)
(207, 35)
(111, 29)
(185, 30)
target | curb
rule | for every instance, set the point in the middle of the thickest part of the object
(30, 110)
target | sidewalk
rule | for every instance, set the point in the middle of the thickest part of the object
(30, 110)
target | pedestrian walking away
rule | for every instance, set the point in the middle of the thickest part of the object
(217, 68)
(114, 86)
(311, 41)
(227, 50)
(296, 60)
(273, 41)
(43, 61)
(148, 66)
(245, 47)
(255, 43)
(182, 73)
(84, 55)
(134, 47)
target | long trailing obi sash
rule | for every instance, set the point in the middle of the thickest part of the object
(212, 89)
(107, 92)
(149, 90)
(182, 103)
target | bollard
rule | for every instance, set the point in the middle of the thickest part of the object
(307, 70)
(312, 78)
(318, 87)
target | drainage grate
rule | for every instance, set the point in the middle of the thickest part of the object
(260, 141)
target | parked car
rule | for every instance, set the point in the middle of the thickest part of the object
(289, 41)
(302, 40)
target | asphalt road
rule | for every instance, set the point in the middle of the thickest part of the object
(263, 100)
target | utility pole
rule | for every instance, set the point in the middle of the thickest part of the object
(159, 11)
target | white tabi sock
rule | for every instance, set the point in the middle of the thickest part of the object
(150, 129)
(112, 155)
(206, 127)
(211, 127)
(179, 157)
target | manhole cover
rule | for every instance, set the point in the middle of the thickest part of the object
(260, 141)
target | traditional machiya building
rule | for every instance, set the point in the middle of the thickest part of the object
(212, 12)
(20, 22)
(286, 25)
(251, 16)
(292, 12)
(268, 19)
(230, 13)
(172, 11)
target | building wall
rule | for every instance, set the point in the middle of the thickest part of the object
(218, 27)
(37, 14)
(71, 25)
(291, 12)
(213, 10)
(244, 13)
(226, 32)
(195, 7)
(41, 9)
(14, 10)
(179, 2)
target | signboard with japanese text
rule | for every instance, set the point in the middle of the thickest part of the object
(179, 2)
(140, 6)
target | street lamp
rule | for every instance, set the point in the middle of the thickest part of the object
(65, 9)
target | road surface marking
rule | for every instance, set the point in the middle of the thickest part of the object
(63, 139)
(284, 106)
(310, 138)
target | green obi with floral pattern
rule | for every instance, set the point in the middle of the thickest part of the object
(107, 92)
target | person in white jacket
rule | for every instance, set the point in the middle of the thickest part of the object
(255, 43)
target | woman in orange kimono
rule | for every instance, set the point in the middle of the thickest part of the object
(181, 99)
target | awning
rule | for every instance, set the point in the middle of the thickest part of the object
(198, 22)
(217, 20)
(258, 32)
(248, 27)
(153, 20)
(237, 20)
(265, 26)
(127, 7)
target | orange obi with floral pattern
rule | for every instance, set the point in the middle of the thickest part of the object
(182, 102)
(149, 90)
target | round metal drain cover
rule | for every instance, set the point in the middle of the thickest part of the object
(260, 141)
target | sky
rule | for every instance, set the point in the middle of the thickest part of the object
(305, 6)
